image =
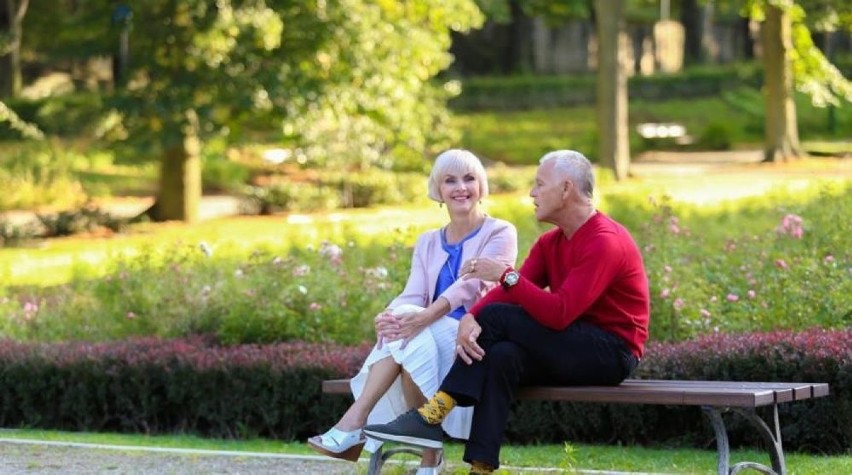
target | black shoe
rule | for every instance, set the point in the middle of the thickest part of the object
(409, 428)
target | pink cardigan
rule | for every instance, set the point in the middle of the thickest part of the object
(497, 239)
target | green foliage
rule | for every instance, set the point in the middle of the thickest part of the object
(791, 275)
(265, 295)
(734, 268)
(85, 219)
(716, 136)
(70, 115)
(349, 78)
(522, 137)
(813, 73)
(531, 92)
(338, 190)
(27, 130)
(37, 174)
(188, 386)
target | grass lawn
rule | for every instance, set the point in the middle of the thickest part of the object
(522, 137)
(584, 457)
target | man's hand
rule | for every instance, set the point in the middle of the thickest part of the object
(466, 346)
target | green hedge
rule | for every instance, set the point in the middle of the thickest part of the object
(532, 92)
(188, 386)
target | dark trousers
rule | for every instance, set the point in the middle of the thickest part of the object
(521, 352)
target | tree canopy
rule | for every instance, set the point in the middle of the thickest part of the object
(349, 80)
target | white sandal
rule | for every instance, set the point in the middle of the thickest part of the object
(432, 470)
(339, 444)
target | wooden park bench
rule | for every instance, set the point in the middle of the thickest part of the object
(714, 397)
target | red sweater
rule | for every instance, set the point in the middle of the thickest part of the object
(597, 275)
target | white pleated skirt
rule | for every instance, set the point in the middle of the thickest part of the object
(427, 358)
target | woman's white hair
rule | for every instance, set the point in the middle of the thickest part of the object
(575, 166)
(456, 162)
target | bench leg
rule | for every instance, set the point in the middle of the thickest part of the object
(772, 437)
(380, 456)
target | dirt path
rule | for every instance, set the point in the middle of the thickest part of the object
(711, 177)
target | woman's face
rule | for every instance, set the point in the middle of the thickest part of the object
(460, 191)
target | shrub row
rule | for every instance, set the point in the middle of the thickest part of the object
(532, 92)
(195, 386)
(189, 386)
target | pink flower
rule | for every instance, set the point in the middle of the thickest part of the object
(828, 259)
(751, 294)
(131, 315)
(781, 264)
(314, 306)
(732, 297)
(667, 269)
(705, 313)
(301, 270)
(30, 307)
(664, 294)
(791, 225)
(331, 251)
(674, 229)
(678, 303)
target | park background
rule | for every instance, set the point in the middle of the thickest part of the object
(123, 310)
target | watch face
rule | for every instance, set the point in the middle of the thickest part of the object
(512, 278)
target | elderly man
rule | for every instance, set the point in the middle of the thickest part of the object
(576, 313)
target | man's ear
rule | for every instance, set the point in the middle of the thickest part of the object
(566, 188)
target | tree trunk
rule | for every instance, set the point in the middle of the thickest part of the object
(517, 56)
(781, 129)
(613, 146)
(179, 195)
(692, 18)
(11, 80)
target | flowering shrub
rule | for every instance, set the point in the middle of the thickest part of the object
(775, 262)
(330, 293)
(793, 276)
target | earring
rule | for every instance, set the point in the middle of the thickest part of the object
(440, 204)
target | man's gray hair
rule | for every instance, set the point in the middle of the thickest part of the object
(574, 165)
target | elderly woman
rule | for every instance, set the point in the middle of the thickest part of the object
(416, 333)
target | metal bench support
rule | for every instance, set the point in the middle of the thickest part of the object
(380, 456)
(772, 437)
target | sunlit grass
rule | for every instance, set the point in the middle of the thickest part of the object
(513, 457)
(522, 137)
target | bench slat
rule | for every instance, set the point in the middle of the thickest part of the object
(636, 391)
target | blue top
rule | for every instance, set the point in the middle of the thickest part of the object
(450, 270)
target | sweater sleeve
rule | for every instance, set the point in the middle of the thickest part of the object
(416, 289)
(533, 270)
(594, 268)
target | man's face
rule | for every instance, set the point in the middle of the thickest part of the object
(548, 192)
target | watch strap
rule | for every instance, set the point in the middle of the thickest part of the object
(502, 279)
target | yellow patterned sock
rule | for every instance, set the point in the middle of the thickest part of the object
(478, 467)
(437, 408)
